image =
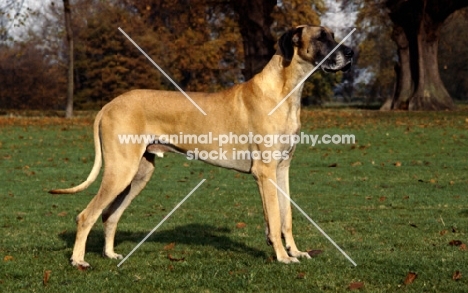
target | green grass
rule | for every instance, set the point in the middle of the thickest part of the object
(390, 219)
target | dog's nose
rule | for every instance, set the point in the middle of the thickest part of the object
(348, 52)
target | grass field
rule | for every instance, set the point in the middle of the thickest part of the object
(395, 202)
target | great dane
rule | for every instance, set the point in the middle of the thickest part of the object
(240, 110)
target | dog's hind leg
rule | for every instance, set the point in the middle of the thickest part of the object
(112, 214)
(118, 174)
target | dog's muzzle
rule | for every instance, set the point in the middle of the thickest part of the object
(341, 60)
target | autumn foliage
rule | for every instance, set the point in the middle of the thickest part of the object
(199, 44)
(211, 45)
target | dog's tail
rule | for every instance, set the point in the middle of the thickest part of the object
(97, 162)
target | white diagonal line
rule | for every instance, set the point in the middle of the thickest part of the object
(313, 223)
(162, 221)
(162, 71)
(310, 73)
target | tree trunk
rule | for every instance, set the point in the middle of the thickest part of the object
(404, 79)
(430, 93)
(417, 26)
(404, 86)
(69, 106)
(255, 21)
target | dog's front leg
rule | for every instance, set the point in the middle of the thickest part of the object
(282, 176)
(271, 209)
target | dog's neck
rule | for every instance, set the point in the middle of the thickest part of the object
(289, 75)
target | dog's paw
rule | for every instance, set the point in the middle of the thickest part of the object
(112, 255)
(288, 259)
(299, 254)
(81, 265)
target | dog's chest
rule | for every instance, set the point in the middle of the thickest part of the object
(293, 124)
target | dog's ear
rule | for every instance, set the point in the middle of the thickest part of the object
(287, 42)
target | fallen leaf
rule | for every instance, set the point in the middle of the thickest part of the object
(46, 277)
(356, 164)
(397, 164)
(314, 253)
(452, 182)
(351, 230)
(433, 180)
(300, 276)
(175, 259)
(356, 285)
(456, 276)
(455, 243)
(410, 278)
(443, 232)
(382, 198)
(8, 258)
(241, 225)
(170, 246)
(463, 247)
(333, 165)
(62, 214)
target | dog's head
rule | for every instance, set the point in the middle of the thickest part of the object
(313, 44)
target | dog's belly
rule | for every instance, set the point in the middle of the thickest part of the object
(238, 165)
(239, 160)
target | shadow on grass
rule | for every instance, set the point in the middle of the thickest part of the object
(191, 234)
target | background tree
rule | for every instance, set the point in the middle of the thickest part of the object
(453, 55)
(199, 43)
(416, 32)
(376, 53)
(255, 20)
(70, 76)
(31, 73)
(29, 81)
(107, 64)
(13, 13)
(197, 46)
